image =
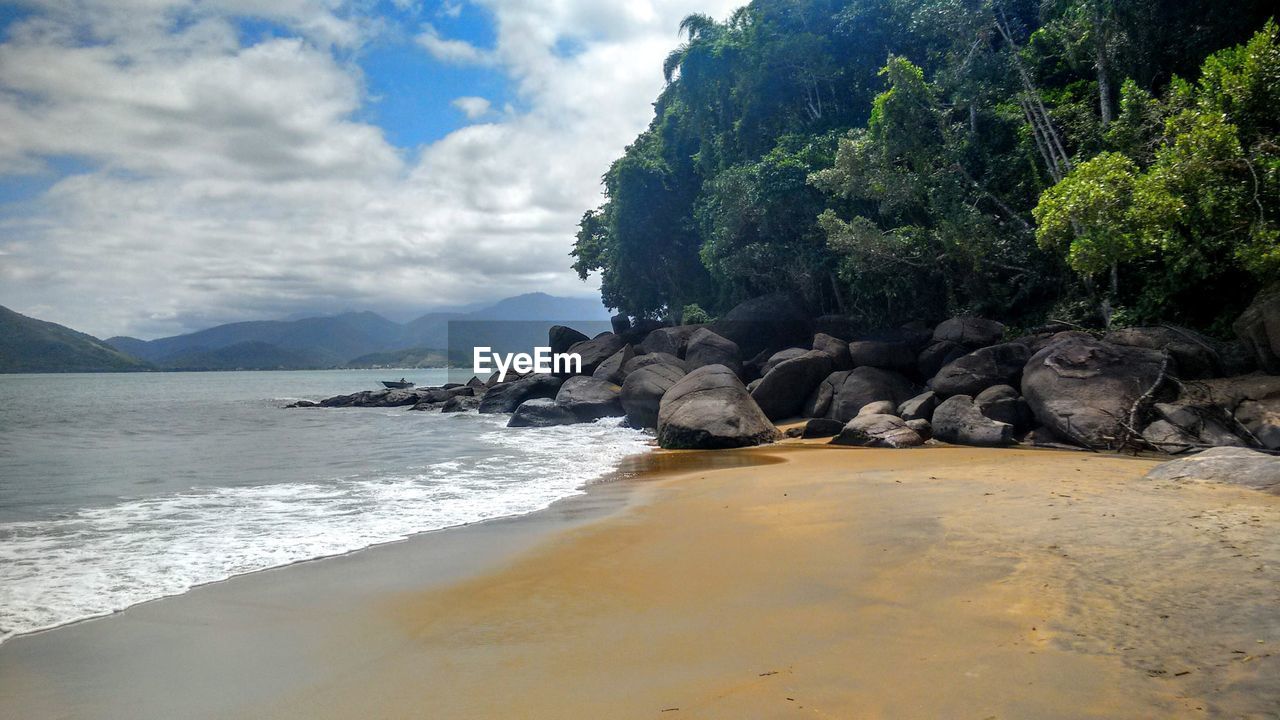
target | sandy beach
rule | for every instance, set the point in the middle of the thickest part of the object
(794, 580)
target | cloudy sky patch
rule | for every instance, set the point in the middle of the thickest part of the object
(169, 164)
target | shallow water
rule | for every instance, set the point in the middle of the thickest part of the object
(120, 488)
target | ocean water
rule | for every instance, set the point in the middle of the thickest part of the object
(121, 488)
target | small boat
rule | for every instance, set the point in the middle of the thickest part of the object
(400, 384)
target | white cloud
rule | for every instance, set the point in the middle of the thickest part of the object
(444, 49)
(233, 182)
(471, 106)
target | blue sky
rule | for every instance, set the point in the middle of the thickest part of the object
(168, 165)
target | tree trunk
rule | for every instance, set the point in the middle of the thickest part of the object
(1104, 83)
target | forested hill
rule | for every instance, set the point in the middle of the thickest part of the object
(1095, 161)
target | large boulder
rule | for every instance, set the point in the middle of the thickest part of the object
(818, 403)
(878, 430)
(971, 331)
(971, 374)
(959, 421)
(783, 391)
(937, 356)
(613, 370)
(1202, 424)
(708, 348)
(541, 412)
(670, 340)
(821, 428)
(506, 397)
(1003, 404)
(1262, 419)
(780, 357)
(1258, 327)
(596, 350)
(890, 355)
(560, 338)
(647, 359)
(590, 398)
(866, 385)
(620, 323)
(1194, 354)
(642, 392)
(710, 409)
(460, 403)
(1236, 466)
(920, 407)
(771, 321)
(835, 347)
(1083, 389)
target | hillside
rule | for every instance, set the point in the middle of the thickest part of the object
(31, 345)
(249, 355)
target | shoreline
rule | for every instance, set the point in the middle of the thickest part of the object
(871, 582)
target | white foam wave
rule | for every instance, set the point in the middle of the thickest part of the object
(101, 560)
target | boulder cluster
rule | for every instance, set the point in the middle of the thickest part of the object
(967, 381)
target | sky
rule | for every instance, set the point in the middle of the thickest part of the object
(169, 165)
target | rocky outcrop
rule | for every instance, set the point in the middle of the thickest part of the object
(1234, 466)
(597, 350)
(971, 331)
(1193, 354)
(768, 322)
(780, 357)
(541, 412)
(818, 404)
(1258, 327)
(707, 348)
(958, 420)
(506, 397)
(864, 385)
(460, 403)
(878, 430)
(835, 347)
(612, 370)
(1003, 404)
(783, 391)
(919, 407)
(560, 338)
(670, 340)
(642, 392)
(590, 398)
(657, 358)
(708, 409)
(1084, 389)
(937, 356)
(888, 355)
(980, 369)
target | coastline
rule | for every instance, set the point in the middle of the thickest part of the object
(876, 583)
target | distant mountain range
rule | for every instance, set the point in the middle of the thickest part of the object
(33, 346)
(357, 339)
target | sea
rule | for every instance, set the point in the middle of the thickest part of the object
(116, 489)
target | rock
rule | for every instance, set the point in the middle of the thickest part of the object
(477, 385)
(957, 420)
(460, 403)
(971, 331)
(1236, 358)
(835, 347)
(399, 397)
(1258, 327)
(821, 428)
(881, 354)
(620, 323)
(922, 427)
(640, 361)
(710, 409)
(302, 404)
(1194, 354)
(780, 357)
(1003, 404)
(541, 412)
(590, 398)
(560, 338)
(612, 370)
(1262, 420)
(771, 321)
(1167, 437)
(670, 340)
(866, 385)
(1082, 388)
(919, 407)
(1205, 424)
(818, 404)
(508, 396)
(596, 350)
(751, 386)
(877, 430)
(1235, 466)
(937, 356)
(879, 407)
(783, 391)
(707, 348)
(642, 392)
(980, 369)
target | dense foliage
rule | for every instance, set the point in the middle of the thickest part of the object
(911, 159)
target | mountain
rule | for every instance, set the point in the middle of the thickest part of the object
(31, 345)
(410, 358)
(365, 339)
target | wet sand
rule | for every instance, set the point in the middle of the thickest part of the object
(831, 582)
